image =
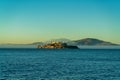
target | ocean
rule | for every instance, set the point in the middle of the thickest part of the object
(59, 64)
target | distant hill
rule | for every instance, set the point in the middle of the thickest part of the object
(64, 40)
(91, 42)
(37, 43)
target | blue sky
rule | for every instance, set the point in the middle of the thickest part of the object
(26, 21)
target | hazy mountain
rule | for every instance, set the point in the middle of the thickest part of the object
(92, 41)
(59, 40)
(17, 46)
(37, 43)
(82, 42)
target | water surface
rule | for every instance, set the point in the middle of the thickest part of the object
(59, 64)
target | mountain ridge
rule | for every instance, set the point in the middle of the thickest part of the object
(93, 42)
(84, 41)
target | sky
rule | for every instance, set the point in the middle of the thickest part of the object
(27, 21)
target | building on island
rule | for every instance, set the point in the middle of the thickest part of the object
(56, 45)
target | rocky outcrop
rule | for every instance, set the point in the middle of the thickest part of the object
(57, 45)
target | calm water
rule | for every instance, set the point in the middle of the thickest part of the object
(59, 64)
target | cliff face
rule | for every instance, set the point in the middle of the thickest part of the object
(57, 45)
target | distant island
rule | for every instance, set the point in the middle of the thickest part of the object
(57, 45)
(65, 43)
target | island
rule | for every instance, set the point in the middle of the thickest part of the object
(57, 45)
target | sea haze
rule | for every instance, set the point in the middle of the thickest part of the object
(35, 46)
(59, 64)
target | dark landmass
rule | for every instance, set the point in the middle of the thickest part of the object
(57, 45)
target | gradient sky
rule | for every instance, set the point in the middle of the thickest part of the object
(26, 21)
